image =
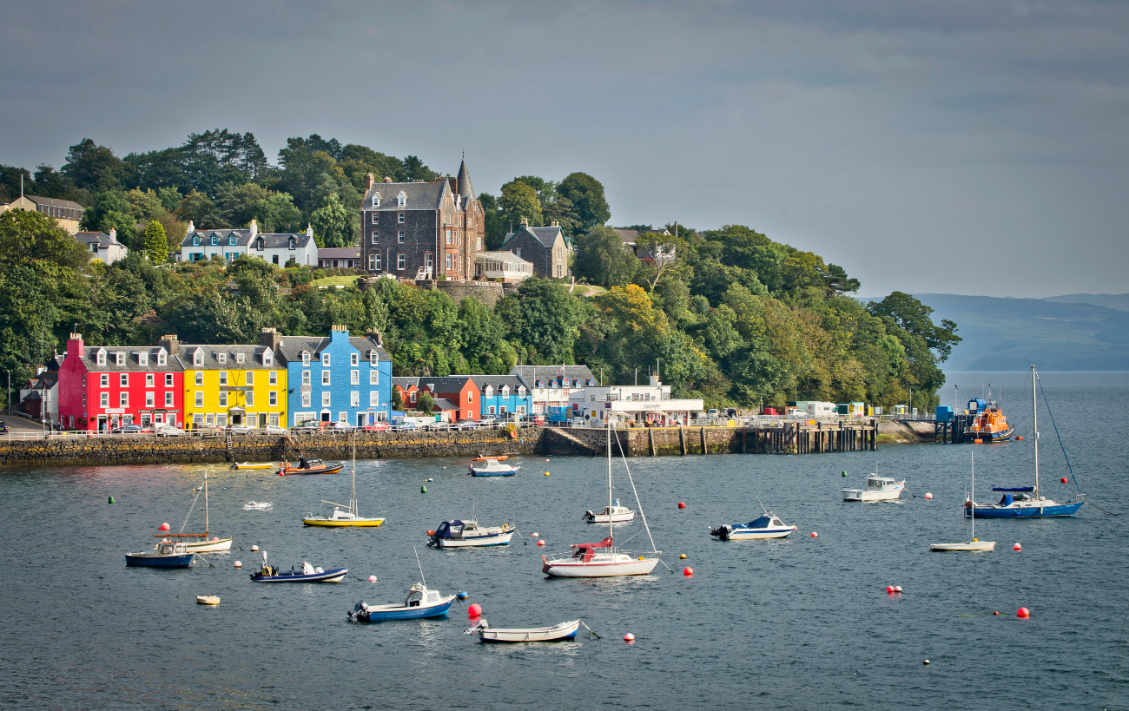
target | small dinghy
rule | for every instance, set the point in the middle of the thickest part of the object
(468, 534)
(500, 458)
(254, 465)
(307, 574)
(207, 599)
(165, 555)
(422, 602)
(310, 466)
(556, 633)
(492, 467)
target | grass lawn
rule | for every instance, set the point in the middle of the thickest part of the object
(335, 281)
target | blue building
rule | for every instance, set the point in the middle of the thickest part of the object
(504, 395)
(337, 379)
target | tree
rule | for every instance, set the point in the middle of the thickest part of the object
(589, 206)
(144, 206)
(544, 317)
(913, 316)
(198, 208)
(331, 224)
(95, 167)
(662, 251)
(519, 201)
(111, 211)
(425, 402)
(493, 225)
(156, 243)
(603, 259)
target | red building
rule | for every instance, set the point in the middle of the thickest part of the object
(460, 390)
(103, 387)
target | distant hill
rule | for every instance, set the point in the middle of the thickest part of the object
(1061, 333)
(1110, 301)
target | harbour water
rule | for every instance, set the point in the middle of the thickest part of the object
(799, 623)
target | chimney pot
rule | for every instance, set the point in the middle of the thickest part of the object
(387, 179)
(524, 222)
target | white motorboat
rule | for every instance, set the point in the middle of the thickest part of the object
(613, 513)
(878, 488)
(767, 526)
(468, 534)
(491, 467)
(972, 545)
(556, 633)
(198, 542)
(603, 559)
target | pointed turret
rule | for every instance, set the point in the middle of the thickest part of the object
(465, 188)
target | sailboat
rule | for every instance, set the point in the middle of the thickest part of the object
(208, 544)
(972, 544)
(350, 516)
(1026, 501)
(603, 559)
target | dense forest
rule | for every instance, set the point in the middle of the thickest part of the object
(728, 315)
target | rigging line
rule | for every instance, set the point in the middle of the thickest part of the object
(631, 479)
(1047, 404)
(190, 510)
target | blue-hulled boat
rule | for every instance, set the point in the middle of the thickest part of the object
(166, 555)
(422, 602)
(1025, 501)
(307, 574)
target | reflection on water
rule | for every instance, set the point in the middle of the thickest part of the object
(792, 623)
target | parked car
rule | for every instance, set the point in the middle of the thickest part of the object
(712, 414)
(377, 427)
(272, 430)
(3, 426)
(306, 427)
(240, 429)
(128, 429)
(406, 426)
(488, 420)
(167, 431)
(205, 430)
(466, 425)
(342, 427)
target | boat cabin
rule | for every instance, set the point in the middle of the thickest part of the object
(169, 548)
(767, 521)
(421, 596)
(879, 483)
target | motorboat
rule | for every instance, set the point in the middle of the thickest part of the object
(766, 526)
(165, 555)
(197, 542)
(492, 467)
(556, 633)
(1026, 501)
(344, 515)
(973, 544)
(310, 466)
(422, 602)
(468, 534)
(878, 488)
(612, 513)
(306, 574)
(252, 465)
(604, 559)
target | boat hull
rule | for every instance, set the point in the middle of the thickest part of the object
(864, 495)
(556, 633)
(597, 569)
(330, 576)
(249, 465)
(207, 600)
(971, 547)
(613, 518)
(501, 539)
(224, 544)
(989, 437)
(290, 471)
(476, 472)
(399, 612)
(1052, 511)
(146, 560)
(343, 523)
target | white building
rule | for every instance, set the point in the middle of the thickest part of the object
(633, 403)
(551, 386)
(103, 246)
(501, 266)
(279, 248)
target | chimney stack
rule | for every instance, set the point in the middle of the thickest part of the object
(269, 338)
(524, 222)
(369, 181)
(254, 228)
(309, 230)
(387, 179)
(113, 234)
(170, 343)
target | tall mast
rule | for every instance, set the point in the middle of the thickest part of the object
(972, 496)
(206, 531)
(1035, 420)
(608, 420)
(354, 500)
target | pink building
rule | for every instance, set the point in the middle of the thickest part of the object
(101, 387)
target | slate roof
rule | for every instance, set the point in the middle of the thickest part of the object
(89, 238)
(290, 347)
(54, 202)
(444, 404)
(279, 240)
(339, 253)
(545, 235)
(405, 383)
(252, 357)
(466, 190)
(90, 359)
(498, 381)
(364, 344)
(450, 384)
(242, 237)
(419, 196)
(271, 240)
(530, 374)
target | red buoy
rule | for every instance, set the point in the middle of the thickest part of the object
(1017, 547)
(889, 588)
(540, 543)
(688, 572)
(996, 612)
(681, 504)
(163, 527)
(629, 638)
(814, 534)
(474, 610)
(1063, 480)
(1023, 612)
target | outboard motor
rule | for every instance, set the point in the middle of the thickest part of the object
(722, 532)
(359, 613)
(588, 516)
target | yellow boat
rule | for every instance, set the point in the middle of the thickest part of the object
(350, 516)
(255, 465)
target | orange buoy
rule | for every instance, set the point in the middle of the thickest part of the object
(1017, 547)
(431, 533)
(1019, 438)
(688, 571)
(996, 612)
(681, 504)
(1023, 612)
(978, 441)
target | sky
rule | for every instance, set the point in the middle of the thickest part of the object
(963, 146)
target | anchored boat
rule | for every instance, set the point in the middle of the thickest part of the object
(310, 466)
(192, 541)
(307, 574)
(973, 545)
(350, 516)
(556, 633)
(878, 488)
(422, 602)
(989, 425)
(767, 526)
(492, 467)
(612, 513)
(166, 555)
(467, 534)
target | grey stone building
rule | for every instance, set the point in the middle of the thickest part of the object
(546, 247)
(422, 230)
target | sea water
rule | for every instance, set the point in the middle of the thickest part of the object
(798, 623)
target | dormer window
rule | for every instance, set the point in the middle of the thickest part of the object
(215, 240)
(556, 385)
(100, 357)
(293, 243)
(143, 359)
(306, 358)
(195, 240)
(119, 358)
(505, 391)
(198, 357)
(521, 391)
(221, 357)
(373, 357)
(231, 239)
(162, 358)
(238, 357)
(260, 244)
(566, 382)
(268, 357)
(375, 202)
(489, 391)
(541, 384)
(401, 199)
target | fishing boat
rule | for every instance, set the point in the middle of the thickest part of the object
(1026, 501)
(613, 513)
(766, 526)
(197, 542)
(344, 515)
(500, 458)
(878, 488)
(306, 574)
(603, 559)
(422, 602)
(165, 555)
(556, 633)
(468, 534)
(973, 544)
(492, 467)
(989, 424)
(310, 466)
(252, 465)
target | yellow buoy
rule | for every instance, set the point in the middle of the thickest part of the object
(546, 473)
(682, 556)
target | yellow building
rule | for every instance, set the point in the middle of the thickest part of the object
(234, 385)
(68, 213)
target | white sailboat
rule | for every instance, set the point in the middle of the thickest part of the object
(344, 515)
(603, 559)
(208, 544)
(972, 545)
